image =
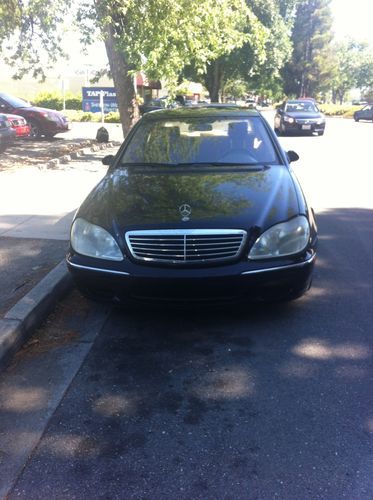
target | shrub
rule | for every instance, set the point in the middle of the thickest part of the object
(54, 100)
(345, 110)
(74, 102)
(112, 117)
(82, 116)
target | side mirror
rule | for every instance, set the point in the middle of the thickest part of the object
(292, 156)
(108, 160)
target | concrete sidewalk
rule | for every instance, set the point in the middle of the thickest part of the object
(36, 209)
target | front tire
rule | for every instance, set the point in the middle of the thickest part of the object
(321, 132)
(35, 132)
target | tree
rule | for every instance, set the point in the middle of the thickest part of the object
(352, 68)
(30, 34)
(259, 59)
(157, 36)
(309, 67)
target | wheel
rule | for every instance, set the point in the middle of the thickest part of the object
(35, 132)
(49, 136)
(277, 132)
(321, 132)
(356, 119)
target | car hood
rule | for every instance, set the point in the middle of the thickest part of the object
(151, 198)
(13, 117)
(305, 116)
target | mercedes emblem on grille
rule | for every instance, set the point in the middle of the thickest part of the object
(185, 211)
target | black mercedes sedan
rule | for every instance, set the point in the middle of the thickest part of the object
(300, 116)
(199, 205)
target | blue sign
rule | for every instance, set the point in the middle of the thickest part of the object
(91, 99)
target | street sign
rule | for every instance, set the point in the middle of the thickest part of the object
(91, 99)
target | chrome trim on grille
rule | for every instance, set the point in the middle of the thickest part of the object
(183, 246)
(280, 268)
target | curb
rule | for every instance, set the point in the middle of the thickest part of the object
(29, 312)
(92, 148)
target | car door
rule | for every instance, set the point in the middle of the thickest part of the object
(366, 113)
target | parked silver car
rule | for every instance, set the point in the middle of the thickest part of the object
(7, 133)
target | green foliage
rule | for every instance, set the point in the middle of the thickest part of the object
(261, 56)
(54, 100)
(112, 117)
(352, 68)
(86, 116)
(30, 34)
(160, 37)
(236, 89)
(347, 111)
(309, 70)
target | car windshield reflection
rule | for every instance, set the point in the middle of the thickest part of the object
(200, 141)
(301, 107)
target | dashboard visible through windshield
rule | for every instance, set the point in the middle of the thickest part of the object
(201, 140)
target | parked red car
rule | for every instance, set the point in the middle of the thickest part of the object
(43, 121)
(20, 125)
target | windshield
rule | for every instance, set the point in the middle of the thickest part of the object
(201, 140)
(301, 107)
(15, 102)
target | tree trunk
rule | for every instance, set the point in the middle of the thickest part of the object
(123, 82)
(214, 79)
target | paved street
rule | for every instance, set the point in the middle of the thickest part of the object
(264, 403)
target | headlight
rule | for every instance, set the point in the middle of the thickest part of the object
(94, 241)
(289, 119)
(51, 117)
(286, 238)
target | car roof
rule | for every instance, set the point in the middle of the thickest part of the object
(300, 100)
(212, 110)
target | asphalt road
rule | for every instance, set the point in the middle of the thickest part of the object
(271, 402)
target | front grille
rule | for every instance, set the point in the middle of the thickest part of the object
(186, 246)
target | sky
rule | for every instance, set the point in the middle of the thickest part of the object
(353, 18)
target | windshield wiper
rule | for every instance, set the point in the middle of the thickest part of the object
(223, 164)
(147, 164)
(255, 166)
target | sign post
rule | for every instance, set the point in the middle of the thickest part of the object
(102, 93)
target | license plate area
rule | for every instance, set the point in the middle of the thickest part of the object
(306, 127)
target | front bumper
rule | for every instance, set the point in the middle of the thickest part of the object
(303, 127)
(232, 283)
(56, 126)
(7, 137)
(22, 131)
